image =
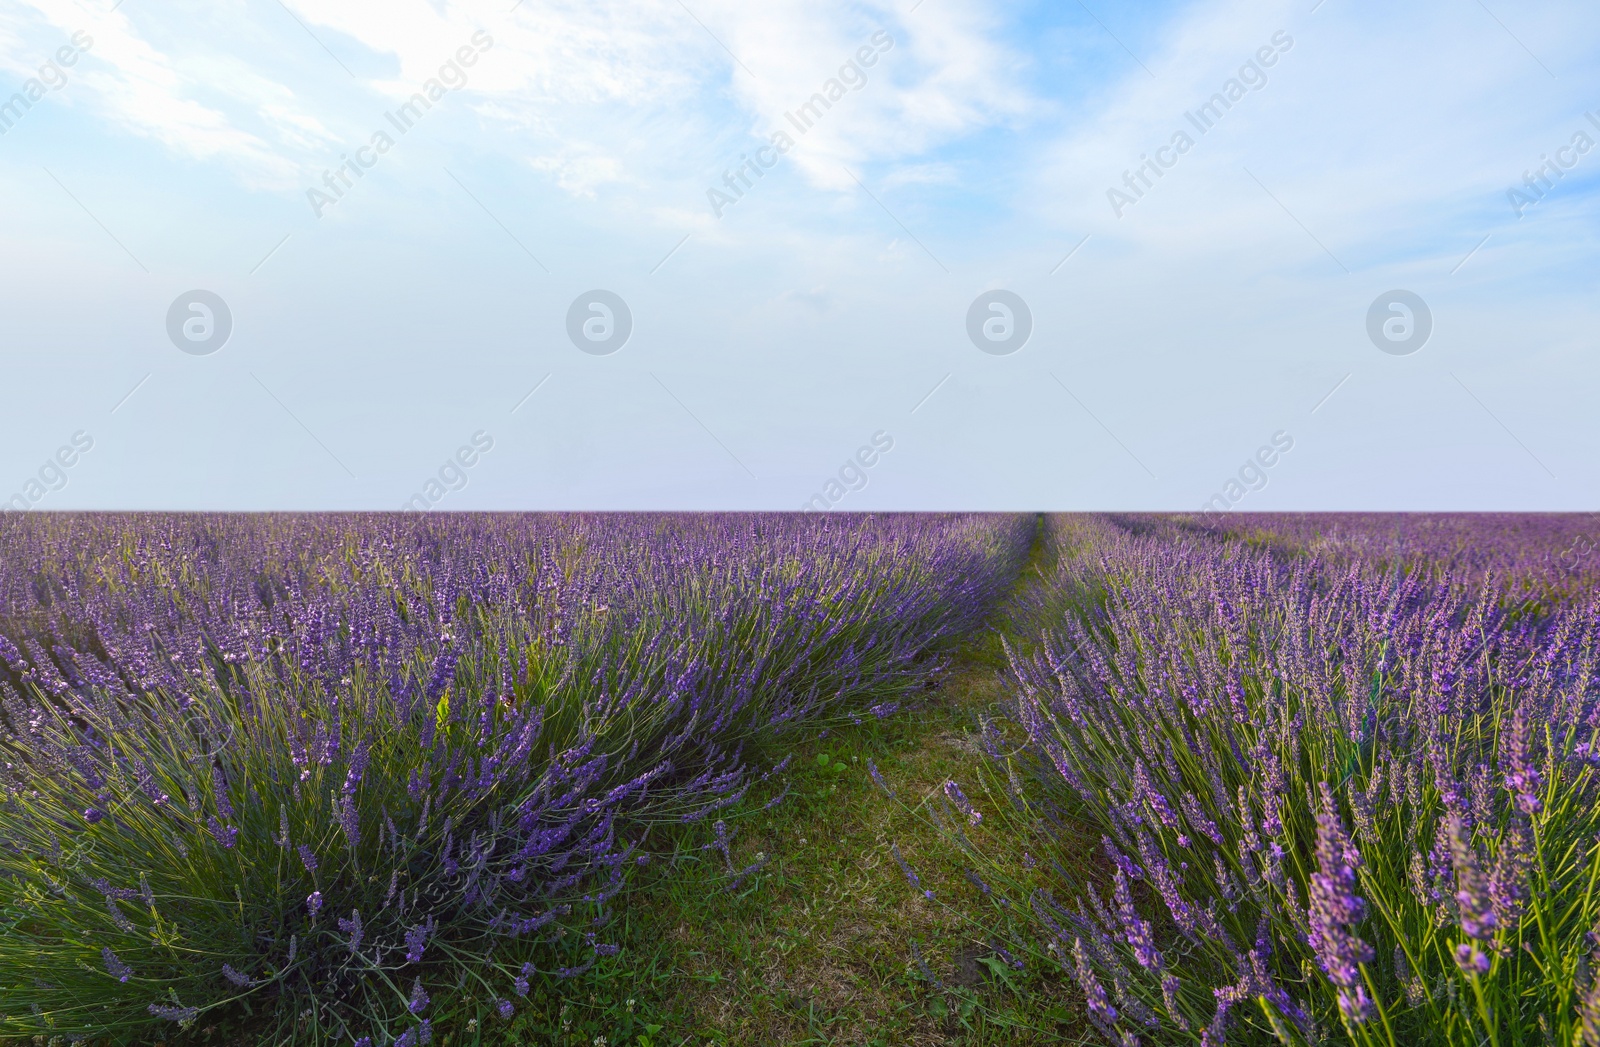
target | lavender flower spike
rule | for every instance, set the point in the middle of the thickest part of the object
(419, 998)
(1335, 910)
(115, 967)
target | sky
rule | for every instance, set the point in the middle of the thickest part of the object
(928, 254)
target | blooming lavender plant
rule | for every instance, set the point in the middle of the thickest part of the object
(321, 748)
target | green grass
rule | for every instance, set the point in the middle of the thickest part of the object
(817, 948)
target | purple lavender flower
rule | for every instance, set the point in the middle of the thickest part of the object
(308, 858)
(1471, 959)
(177, 1013)
(922, 965)
(115, 967)
(358, 768)
(348, 820)
(911, 877)
(118, 917)
(1523, 779)
(872, 769)
(1094, 993)
(241, 980)
(1136, 929)
(1144, 790)
(1472, 901)
(1169, 999)
(314, 902)
(353, 928)
(962, 804)
(417, 940)
(1335, 910)
(419, 998)
(506, 1008)
(1589, 1010)
(219, 791)
(226, 835)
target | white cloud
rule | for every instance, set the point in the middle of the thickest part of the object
(660, 79)
(141, 90)
(636, 96)
(938, 74)
(1366, 131)
(580, 168)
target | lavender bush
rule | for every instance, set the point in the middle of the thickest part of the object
(1334, 804)
(329, 767)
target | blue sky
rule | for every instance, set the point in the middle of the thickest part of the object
(1173, 336)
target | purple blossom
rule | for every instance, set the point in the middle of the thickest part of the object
(1471, 959)
(953, 792)
(314, 902)
(417, 940)
(922, 966)
(176, 1013)
(1589, 1009)
(219, 792)
(1094, 993)
(911, 876)
(358, 768)
(872, 769)
(118, 917)
(419, 998)
(115, 967)
(1137, 930)
(1523, 779)
(348, 820)
(353, 928)
(226, 835)
(1335, 911)
(1472, 900)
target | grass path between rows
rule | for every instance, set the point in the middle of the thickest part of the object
(818, 947)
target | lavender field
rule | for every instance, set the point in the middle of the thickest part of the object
(1339, 775)
(406, 779)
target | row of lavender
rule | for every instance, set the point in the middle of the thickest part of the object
(1544, 558)
(1335, 803)
(322, 765)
